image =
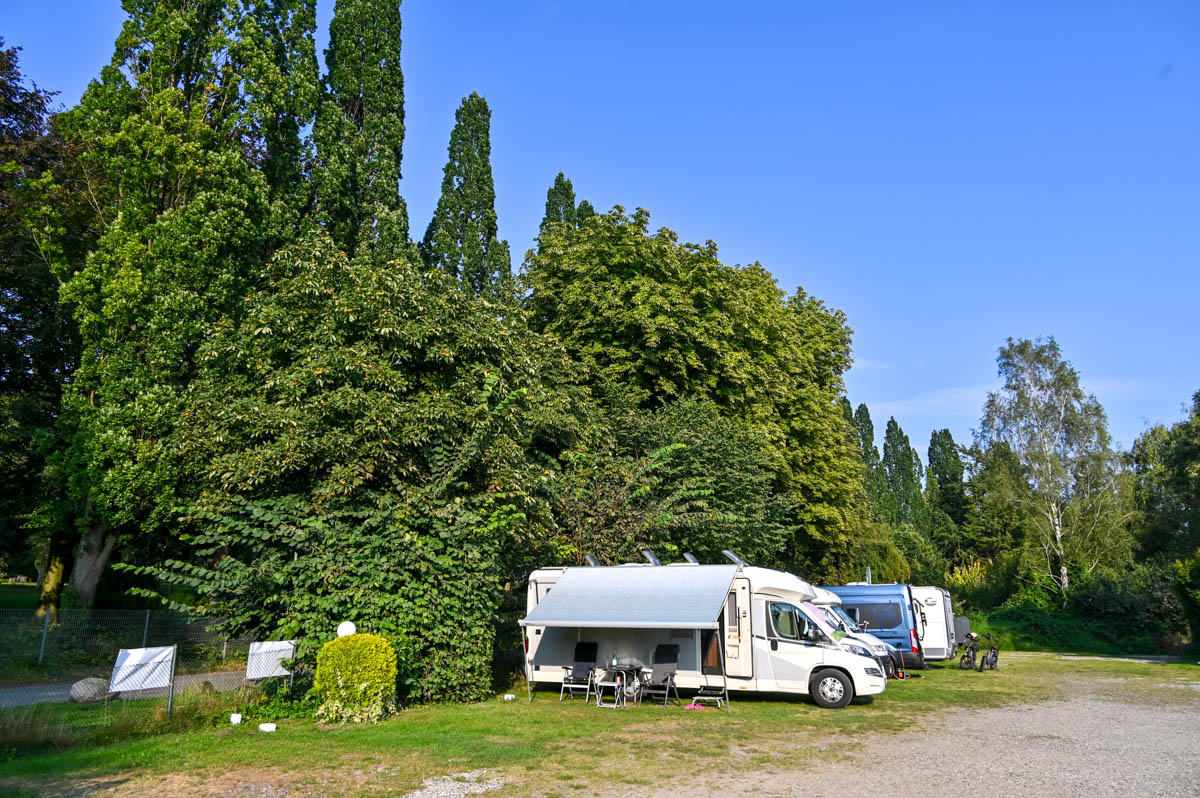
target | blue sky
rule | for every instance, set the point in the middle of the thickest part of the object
(948, 174)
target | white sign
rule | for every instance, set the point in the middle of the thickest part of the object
(264, 658)
(142, 669)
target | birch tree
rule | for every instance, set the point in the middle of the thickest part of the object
(1071, 491)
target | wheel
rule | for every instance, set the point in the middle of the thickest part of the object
(966, 662)
(831, 689)
(993, 660)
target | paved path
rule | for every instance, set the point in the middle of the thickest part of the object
(60, 692)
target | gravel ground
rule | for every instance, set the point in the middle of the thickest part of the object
(1097, 743)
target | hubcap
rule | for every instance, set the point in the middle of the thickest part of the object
(831, 689)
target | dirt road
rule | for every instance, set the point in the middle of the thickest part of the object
(1107, 739)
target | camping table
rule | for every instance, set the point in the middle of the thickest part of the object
(627, 685)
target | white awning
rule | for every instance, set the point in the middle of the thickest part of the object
(636, 597)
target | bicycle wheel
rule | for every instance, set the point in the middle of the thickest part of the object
(994, 660)
(966, 662)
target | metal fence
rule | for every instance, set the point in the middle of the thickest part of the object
(55, 675)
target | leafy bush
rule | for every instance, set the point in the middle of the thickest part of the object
(1187, 576)
(1032, 628)
(277, 699)
(356, 679)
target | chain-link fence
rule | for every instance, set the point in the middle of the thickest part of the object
(99, 673)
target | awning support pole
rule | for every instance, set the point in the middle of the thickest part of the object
(724, 665)
(528, 678)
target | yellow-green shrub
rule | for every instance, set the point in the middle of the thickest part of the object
(356, 679)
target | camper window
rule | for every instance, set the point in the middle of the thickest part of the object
(878, 616)
(783, 618)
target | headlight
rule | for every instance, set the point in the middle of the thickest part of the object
(860, 651)
(880, 651)
(873, 672)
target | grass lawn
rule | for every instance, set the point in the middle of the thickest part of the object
(551, 748)
(18, 595)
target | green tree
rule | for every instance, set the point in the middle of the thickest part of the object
(652, 321)
(178, 129)
(1166, 491)
(902, 466)
(584, 212)
(560, 203)
(945, 476)
(386, 395)
(359, 131)
(38, 340)
(874, 477)
(462, 238)
(1072, 494)
(683, 478)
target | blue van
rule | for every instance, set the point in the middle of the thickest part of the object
(888, 612)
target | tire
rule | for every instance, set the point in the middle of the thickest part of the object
(994, 660)
(831, 689)
(966, 662)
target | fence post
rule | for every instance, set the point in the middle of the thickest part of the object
(171, 686)
(224, 647)
(45, 629)
(146, 629)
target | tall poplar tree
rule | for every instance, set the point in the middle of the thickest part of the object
(560, 203)
(360, 131)
(875, 478)
(904, 471)
(462, 236)
(187, 152)
(945, 476)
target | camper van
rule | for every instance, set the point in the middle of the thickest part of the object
(830, 603)
(939, 641)
(738, 628)
(890, 613)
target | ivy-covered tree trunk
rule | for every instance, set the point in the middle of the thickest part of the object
(53, 573)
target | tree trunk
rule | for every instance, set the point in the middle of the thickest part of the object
(54, 572)
(95, 549)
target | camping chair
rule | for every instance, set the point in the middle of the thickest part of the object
(579, 675)
(661, 680)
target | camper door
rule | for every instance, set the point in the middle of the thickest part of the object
(738, 648)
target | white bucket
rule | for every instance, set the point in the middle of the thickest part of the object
(235, 718)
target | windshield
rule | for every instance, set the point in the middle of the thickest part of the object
(846, 621)
(818, 619)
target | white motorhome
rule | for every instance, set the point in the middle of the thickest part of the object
(938, 640)
(738, 628)
(831, 604)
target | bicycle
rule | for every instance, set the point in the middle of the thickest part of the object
(991, 657)
(967, 661)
